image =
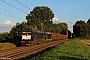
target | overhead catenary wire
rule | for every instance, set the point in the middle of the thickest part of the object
(9, 15)
(28, 3)
(15, 15)
(13, 6)
(22, 4)
(7, 11)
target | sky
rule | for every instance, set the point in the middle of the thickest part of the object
(70, 11)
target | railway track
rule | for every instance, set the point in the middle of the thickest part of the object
(86, 42)
(19, 52)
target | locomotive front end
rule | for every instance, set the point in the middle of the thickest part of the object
(26, 35)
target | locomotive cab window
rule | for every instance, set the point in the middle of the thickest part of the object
(28, 33)
(23, 33)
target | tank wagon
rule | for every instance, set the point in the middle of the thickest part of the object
(36, 36)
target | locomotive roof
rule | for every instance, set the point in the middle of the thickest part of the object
(48, 33)
(27, 30)
(37, 31)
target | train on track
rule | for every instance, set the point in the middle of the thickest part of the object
(35, 37)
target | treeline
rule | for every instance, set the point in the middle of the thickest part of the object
(4, 36)
(82, 29)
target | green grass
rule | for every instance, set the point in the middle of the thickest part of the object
(71, 50)
(6, 45)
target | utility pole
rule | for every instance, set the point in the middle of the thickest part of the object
(70, 28)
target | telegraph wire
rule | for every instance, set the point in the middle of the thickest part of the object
(14, 15)
(9, 15)
(22, 4)
(28, 2)
(7, 11)
(13, 6)
(6, 14)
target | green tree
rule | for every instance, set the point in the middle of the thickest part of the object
(16, 31)
(80, 22)
(39, 16)
(4, 37)
(81, 29)
(58, 28)
(88, 21)
(78, 27)
(64, 27)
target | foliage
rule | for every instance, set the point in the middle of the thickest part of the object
(71, 50)
(80, 22)
(81, 29)
(4, 36)
(6, 46)
(40, 17)
(88, 21)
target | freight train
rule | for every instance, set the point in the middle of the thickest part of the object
(35, 36)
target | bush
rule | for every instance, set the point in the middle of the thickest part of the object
(6, 45)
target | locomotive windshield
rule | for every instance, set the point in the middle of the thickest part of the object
(26, 33)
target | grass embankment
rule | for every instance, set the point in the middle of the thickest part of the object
(71, 50)
(7, 45)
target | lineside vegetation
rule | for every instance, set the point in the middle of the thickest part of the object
(81, 29)
(71, 50)
(6, 45)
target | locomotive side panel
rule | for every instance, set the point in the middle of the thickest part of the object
(48, 36)
(37, 36)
